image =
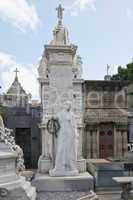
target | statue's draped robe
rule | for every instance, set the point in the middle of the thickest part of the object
(66, 154)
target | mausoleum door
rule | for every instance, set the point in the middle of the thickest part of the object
(106, 141)
(23, 139)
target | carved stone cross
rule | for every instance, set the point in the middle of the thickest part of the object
(60, 10)
(108, 68)
(16, 72)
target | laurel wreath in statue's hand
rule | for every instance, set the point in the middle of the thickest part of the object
(53, 126)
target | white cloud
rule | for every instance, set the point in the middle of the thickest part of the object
(113, 69)
(27, 76)
(129, 13)
(80, 5)
(19, 14)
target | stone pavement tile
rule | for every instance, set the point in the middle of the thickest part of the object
(60, 195)
(113, 196)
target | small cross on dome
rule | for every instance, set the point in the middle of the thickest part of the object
(16, 72)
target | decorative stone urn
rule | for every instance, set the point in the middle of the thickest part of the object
(9, 179)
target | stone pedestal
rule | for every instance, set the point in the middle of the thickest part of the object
(103, 171)
(8, 177)
(82, 182)
(44, 165)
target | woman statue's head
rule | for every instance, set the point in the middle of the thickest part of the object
(67, 105)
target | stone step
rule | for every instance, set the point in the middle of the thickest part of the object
(82, 182)
(108, 189)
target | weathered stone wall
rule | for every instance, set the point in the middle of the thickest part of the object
(18, 118)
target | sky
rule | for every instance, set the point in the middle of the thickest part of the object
(102, 29)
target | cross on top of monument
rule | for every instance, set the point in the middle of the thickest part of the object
(16, 74)
(108, 68)
(60, 10)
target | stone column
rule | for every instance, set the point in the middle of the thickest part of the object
(94, 144)
(98, 153)
(45, 161)
(88, 144)
(46, 140)
(125, 143)
(78, 111)
(81, 162)
(115, 143)
(119, 144)
(131, 130)
(80, 139)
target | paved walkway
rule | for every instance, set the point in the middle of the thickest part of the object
(76, 196)
(109, 196)
(60, 195)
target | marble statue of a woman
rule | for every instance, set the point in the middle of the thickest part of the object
(66, 155)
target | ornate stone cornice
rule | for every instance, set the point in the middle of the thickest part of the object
(66, 49)
(43, 80)
(78, 81)
(121, 126)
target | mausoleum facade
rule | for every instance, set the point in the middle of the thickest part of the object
(106, 119)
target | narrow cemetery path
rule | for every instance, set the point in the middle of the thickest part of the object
(61, 195)
(75, 196)
(109, 196)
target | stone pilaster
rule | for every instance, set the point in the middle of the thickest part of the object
(122, 141)
(88, 149)
(131, 130)
(80, 140)
(45, 160)
(78, 111)
(92, 142)
(98, 153)
(119, 144)
(94, 135)
(115, 143)
(125, 141)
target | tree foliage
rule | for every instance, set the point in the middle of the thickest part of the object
(124, 73)
(3, 111)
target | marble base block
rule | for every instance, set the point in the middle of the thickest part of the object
(82, 182)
